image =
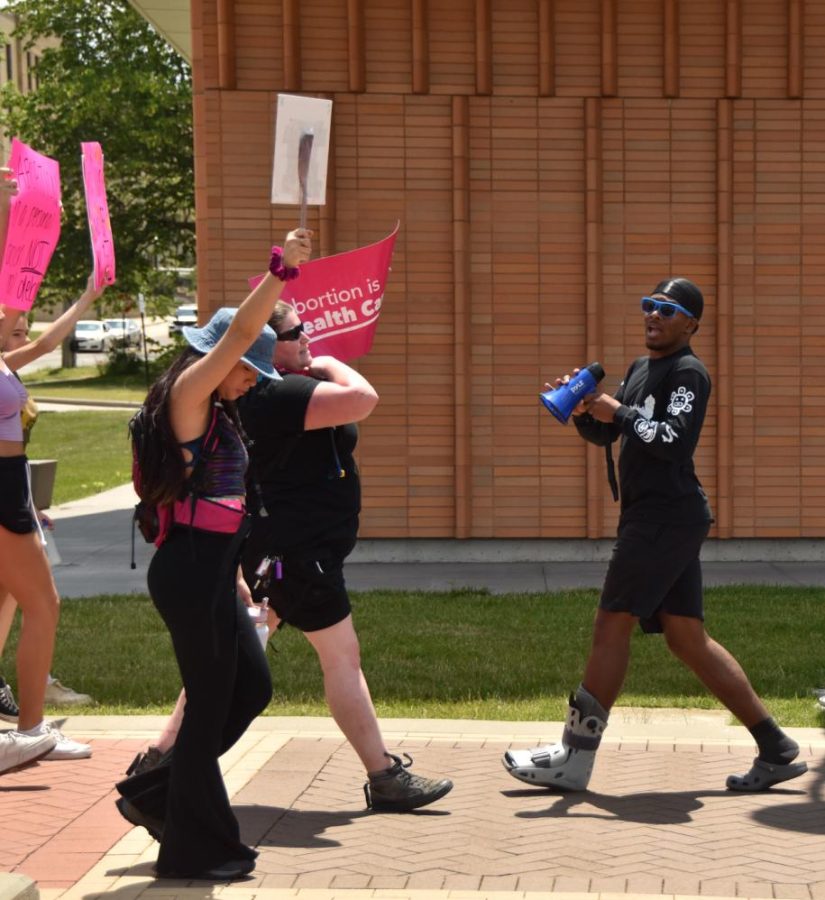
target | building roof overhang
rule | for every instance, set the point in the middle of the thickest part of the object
(171, 20)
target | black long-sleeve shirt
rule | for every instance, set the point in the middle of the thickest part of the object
(659, 423)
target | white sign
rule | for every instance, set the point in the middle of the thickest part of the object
(297, 116)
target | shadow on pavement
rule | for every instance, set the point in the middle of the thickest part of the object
(805, 818)
(273, 826)
(24, 788)
(647, 807)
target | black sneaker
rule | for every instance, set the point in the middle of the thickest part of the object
(398, 790)
(139, 819)
(9, 710)
(151, 759)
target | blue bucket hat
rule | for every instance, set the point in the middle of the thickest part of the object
(259, 355)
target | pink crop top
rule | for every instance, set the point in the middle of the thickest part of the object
(12, 399)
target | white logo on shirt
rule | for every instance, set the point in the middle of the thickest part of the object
(681, 401)
(646, 430)
(668, 434)
(649, 406)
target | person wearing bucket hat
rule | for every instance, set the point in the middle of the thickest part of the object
(192, 464)
(654, 578)
(304, 525)
(258, 356)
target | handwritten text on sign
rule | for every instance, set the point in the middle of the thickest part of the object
(34, 226)
(338, 298)
(97, 211)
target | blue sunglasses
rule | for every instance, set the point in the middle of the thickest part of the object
(667, 309)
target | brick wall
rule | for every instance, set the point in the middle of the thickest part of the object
(550, 161)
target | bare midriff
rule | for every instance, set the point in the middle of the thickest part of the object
(11, 448)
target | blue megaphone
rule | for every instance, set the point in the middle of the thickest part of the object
(561, 401)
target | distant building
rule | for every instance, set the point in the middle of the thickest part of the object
(17, 65)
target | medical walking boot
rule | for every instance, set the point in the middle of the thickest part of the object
(567, 765)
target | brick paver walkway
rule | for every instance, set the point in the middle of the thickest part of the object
(57, 819)
(657, 821)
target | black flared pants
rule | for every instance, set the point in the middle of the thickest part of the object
(227, 681)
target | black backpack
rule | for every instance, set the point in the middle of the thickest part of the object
(141, 434)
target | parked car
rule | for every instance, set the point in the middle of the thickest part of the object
(184, 315)
(125, 330)
(91, 334)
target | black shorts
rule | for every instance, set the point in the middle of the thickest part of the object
(310, 595)
(655, 568)
(15, 499)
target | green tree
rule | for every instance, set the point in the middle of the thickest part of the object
(111, 79)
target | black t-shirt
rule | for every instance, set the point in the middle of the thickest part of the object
(308, 479)
(659, 422)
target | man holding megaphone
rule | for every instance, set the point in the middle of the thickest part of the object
(654, 577)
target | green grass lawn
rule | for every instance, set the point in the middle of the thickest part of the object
(461, 654)
(86, 383)
(92, 450)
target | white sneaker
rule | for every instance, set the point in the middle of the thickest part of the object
(58, 694)
(66, 748)
(18, 750)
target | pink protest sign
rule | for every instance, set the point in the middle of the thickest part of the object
(34, 226)
(338, 298)
(97, 211)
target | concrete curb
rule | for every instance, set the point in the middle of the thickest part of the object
(17, 887)
(109, 404)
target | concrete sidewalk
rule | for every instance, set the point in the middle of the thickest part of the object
(94, 539)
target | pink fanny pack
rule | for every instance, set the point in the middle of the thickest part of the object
(224, 516)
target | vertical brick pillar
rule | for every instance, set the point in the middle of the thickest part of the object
(226, 45)
(724, 319)
(420, 48)
(733, 48)
(796, 67)
(462, 336)
(355, 41)
(671, 47)
(594, 324)
(547, 49)
(484, 48)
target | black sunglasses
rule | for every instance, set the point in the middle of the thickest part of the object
(291, 334)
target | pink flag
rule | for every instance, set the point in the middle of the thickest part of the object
(97, 211)
(34, 226)
(338, 298)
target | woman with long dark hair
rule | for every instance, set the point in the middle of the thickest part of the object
(193, 469)
(304, 436)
